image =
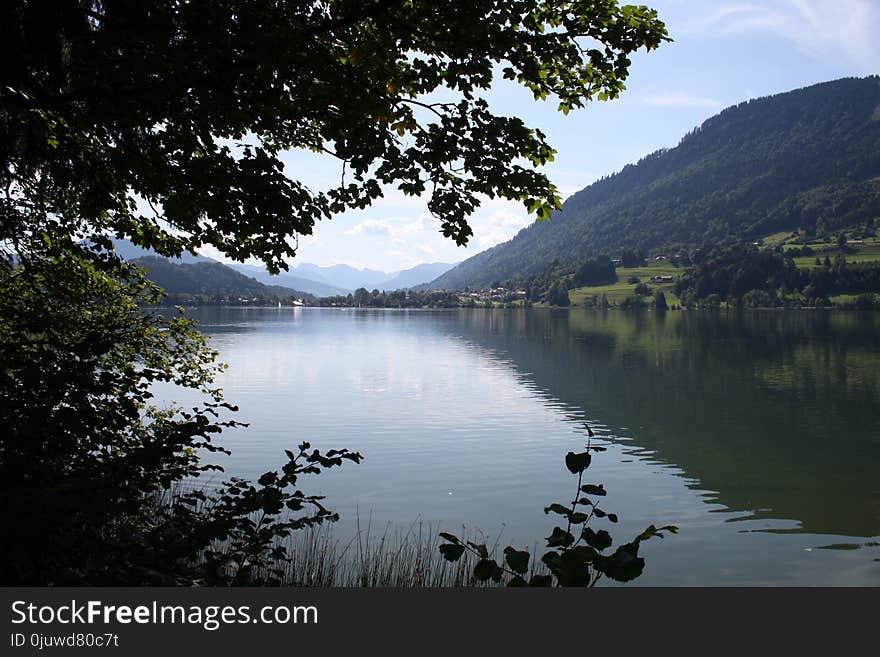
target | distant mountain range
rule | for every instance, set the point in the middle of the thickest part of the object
(209, 278)
(807, 160)
(307, 278)
(343, 279)
(288, 279)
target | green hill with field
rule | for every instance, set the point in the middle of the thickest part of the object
(804, 162)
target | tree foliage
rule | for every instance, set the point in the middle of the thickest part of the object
(593, 272)
(91, 467)
(190, 106)
(747, 276)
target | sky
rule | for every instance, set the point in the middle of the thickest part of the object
(723, 52)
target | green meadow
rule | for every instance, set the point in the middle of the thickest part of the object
(617, 292)
(869, 252)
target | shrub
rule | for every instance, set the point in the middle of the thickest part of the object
(576, 555)
(88, 461)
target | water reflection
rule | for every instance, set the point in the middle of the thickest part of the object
(758, 434)
(775, 413)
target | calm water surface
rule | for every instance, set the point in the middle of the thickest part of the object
(757, 434)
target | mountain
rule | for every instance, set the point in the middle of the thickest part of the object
(304, 283)
(128, 251)
(342, 279)
(417, 275)
(344, 276)
(806, 160)
(305, 278)
(207, 277)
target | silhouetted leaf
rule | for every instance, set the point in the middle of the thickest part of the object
(622, 566)
(517, 560)
(577, 463)
(487, 569)
(452, 552)
(541, 580)
(481, 549)
(558, 508)
(571, 568)
(599, 540)
(594, 489)
(559, 538)
(450, 537)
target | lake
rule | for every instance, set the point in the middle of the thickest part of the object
(758, 434)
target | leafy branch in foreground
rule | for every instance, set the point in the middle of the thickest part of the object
(243, 527)
(89, 461)
(100, 101)
(573, 560)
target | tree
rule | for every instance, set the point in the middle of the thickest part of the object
(660, 302)
(189, 107)
(632, 258)
(165, 123)
(89, 463)
(598, 271)
(558, 295)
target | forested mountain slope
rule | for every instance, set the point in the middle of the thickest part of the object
(804, 160)
(208, 278)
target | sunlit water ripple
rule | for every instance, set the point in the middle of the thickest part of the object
(464, 418)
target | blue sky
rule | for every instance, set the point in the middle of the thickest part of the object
(724, 52)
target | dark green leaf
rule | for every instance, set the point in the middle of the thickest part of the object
(517, 560)
(594, 489)
(599, 540)
(558, 508)
(577, 463)
(622, 566)
(481, 549)
(452, 552)
(487, 569)
(559, 538)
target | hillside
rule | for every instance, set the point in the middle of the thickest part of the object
(208, 278)
(807, 160)
(290, 280)
(308, 278)
(126, 250)
(415, 276)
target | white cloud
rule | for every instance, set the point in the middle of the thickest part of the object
(499, 222)
(372, 227)
(821, 29)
